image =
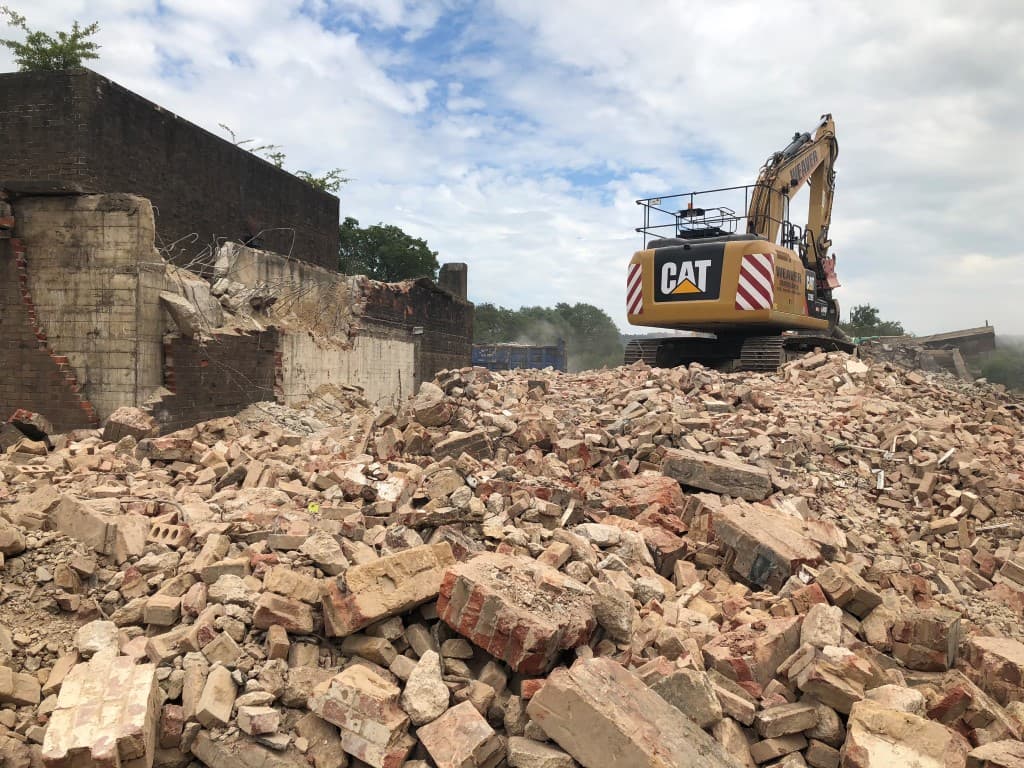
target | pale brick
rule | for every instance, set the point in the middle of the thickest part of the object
(107, 714)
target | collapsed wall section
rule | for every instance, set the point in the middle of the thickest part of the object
(443, 322)
(216, 377)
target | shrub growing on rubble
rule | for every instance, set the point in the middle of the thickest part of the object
(41, 52)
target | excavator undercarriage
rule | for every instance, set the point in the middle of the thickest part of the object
(731, 353)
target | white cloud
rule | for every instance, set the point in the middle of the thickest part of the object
(515, 134)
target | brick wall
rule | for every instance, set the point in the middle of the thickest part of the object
(217, 378)
(31, 377)
(447, 322)
(78, 127)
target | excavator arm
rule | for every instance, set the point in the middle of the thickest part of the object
(806, 159)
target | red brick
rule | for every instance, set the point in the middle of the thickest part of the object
(516, 609)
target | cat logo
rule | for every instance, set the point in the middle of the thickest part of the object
(679, 278)
(686, 277)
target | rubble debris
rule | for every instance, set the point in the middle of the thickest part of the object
(531, 569)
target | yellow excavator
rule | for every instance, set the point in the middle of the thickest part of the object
(753, 288)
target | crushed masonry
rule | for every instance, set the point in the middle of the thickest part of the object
(819, 567)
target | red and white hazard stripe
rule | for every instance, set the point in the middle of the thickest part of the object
(634, 290)
(756, 287)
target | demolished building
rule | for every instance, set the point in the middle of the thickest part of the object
(110, 299)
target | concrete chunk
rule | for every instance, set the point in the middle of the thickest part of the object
(711, 473)
(605, 717)
(880, 738)
(461, 738)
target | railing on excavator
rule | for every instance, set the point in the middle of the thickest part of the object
(687, 216)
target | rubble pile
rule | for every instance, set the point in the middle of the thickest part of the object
(639, 567)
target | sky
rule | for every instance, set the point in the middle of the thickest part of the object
(516, 135)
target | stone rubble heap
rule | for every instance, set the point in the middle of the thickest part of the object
(638, 567)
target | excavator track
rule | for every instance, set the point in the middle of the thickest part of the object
(731, 353)
(762, 353)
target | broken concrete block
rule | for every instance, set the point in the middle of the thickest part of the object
(605, 717)
(12, 540)
(119, 535)
(183, 313)
(241, 753)
(711, 473)
(823, 625)
(286, 582)
(258, 721)
(214, 707)
(425, 696)
(516, 609)
(1008, 753)
(899, 698)
(879, 738)
(107, 714)
(96, 636)
(129, 421)
(18, 688)
(429, 407)
(690, 691)
(365, 708)
(527, 753)
(461, 738)
(385, 587)
(786, 719)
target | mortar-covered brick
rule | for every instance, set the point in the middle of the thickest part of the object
(385, 587)
(107, 714)
(364, 706)
(516, 609)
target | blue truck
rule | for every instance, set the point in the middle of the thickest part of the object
(507, 357)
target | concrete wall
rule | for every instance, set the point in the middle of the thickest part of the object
(75, 126)
(383, 364)
(31, 377)
(93, 276)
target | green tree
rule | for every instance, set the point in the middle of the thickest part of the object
(40, 52)
(866, 321)
(383, 252)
